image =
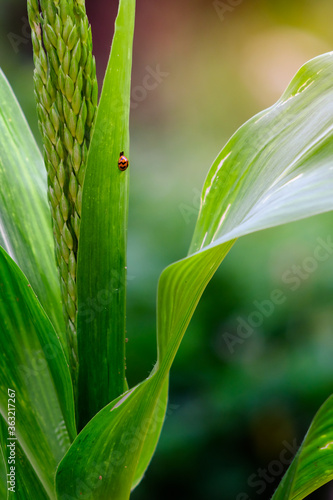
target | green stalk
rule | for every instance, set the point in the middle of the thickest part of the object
(66, 93)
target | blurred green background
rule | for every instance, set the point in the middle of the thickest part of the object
(231, 415)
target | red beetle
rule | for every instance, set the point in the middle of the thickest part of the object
(122, 162)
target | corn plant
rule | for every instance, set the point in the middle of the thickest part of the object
(70, 426)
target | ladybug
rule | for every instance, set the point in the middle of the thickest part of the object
(122, 162)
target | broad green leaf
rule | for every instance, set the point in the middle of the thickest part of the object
(277, 168)
(25, 221)
(151, 438)
(110, 474)
(312, 466)
(3, 469)
(27, 485)
(101, 273)
(3, 478)
(33, 364)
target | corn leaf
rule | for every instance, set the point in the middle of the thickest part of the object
(26, 483)
(33, 364)
(3, 467)
(277, 168)
(101, 272)
(151, 437)
(312, 465)
(25, 221)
